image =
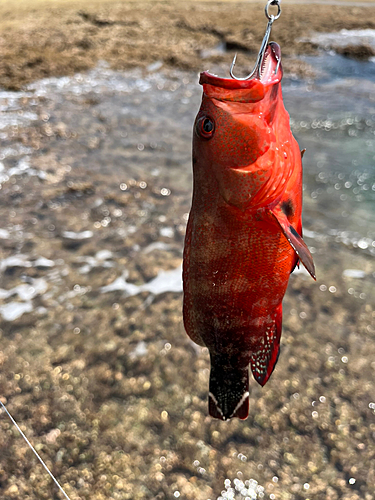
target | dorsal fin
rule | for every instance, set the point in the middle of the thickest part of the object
(295, 240)
(264, 360)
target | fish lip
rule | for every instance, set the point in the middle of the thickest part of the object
(271, 73)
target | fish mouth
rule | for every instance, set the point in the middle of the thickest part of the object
(271, 63)
(270, 73)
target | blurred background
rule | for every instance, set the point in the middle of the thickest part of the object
(97, 102)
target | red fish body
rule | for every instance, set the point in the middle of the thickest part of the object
(244, 232)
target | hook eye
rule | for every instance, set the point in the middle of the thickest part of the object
(270, 17)
(205, 127)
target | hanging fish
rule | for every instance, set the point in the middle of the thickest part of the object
(244, 234)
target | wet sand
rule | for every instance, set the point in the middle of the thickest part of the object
(106, 384)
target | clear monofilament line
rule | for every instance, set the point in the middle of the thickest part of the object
(34, 451)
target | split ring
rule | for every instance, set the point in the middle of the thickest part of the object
(270, 17)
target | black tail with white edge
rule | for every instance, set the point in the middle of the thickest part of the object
(229, 391)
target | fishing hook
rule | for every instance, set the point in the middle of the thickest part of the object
(258, 66)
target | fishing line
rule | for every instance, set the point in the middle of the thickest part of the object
(35, 452)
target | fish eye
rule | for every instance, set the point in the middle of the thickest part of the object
(208, 126)
(205, 127)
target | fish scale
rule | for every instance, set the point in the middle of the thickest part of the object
(244, 234)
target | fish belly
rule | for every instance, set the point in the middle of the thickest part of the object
(235, 276)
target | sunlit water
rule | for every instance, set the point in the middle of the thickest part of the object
(131, 133)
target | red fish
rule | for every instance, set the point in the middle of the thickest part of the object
(244, 235)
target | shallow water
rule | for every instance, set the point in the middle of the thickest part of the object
(337, 126)
(96, 185)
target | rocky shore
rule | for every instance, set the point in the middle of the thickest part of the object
(41, 39)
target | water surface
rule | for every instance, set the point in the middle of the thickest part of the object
(96, 185)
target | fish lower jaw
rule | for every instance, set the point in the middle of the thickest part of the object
(271, 63)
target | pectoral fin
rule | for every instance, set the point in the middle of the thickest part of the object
(295, 240)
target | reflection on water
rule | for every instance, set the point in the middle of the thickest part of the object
(96, 184)
(241, 490)
(165, 281)
(343, 38)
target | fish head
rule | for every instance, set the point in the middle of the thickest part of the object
(234, 131)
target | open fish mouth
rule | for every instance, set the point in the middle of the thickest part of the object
(270, 73)
(271, 62)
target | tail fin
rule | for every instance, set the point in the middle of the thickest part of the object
(229, 391)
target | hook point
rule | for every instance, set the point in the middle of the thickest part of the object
(232, 65)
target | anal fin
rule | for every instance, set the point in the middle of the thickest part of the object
(295, 240)
(263, 361)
